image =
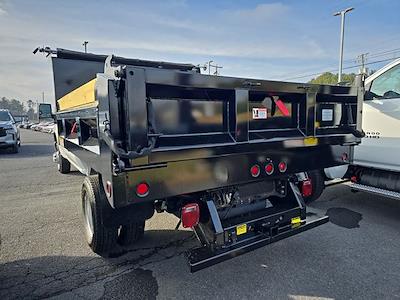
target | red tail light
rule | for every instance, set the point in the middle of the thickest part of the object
(190, 215)
(142, 189)
(269, 168)
(255, 170)
(282, 167)
(306, 188)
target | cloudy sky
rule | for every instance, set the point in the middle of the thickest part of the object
(280, 40)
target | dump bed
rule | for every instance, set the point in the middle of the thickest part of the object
(221, 153)
(149, 115)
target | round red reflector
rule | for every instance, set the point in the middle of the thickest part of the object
(255, 170)
(142, 189)
(282, 167)
(269, 169)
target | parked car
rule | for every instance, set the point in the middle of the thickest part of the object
(41, 125)
(27, 125)
(49, 128)
(9, 132)
(375, 163)
(33, 126)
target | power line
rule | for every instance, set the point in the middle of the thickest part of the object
(385, 53)
(349, 67)
(372, 55)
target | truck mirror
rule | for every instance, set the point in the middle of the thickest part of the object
(45, 111)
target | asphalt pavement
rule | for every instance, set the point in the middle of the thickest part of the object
(43, 253)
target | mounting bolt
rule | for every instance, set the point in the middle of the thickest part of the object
(117, 73)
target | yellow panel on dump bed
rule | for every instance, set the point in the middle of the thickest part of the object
(82, 95)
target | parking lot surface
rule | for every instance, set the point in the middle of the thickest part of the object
(43, 253)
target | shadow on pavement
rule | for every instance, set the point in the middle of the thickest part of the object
(29, 150)
(118, 278)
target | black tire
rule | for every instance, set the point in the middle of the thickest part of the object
(101, 239)
(129, 234)
(14, 148)
(63, 165)
(318, 185)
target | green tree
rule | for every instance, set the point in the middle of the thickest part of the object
(31, 114)
(15, 106)
(330, 78)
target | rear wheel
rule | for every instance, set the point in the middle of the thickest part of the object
(63, 165)
(318, 185)
(101, 239)
(131, 233)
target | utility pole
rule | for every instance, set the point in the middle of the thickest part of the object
(42, 97)
(361, 59)
(209, 66)
(84, 44)
(216, 69)
(342, 23)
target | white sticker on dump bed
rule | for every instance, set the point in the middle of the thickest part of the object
(327, 115)
(259, 113)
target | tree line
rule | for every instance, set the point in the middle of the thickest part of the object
(17, 107)
(330, 78)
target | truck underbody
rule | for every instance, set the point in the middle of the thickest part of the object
(381, 182)
(220, 153)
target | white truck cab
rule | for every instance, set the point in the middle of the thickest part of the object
(375, 163)
(380, 148)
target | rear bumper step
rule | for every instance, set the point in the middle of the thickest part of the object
(374, 190)
(203, 257)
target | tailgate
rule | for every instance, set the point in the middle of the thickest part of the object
(182, 110)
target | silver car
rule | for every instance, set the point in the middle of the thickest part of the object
(9, 133)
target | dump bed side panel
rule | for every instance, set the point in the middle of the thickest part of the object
(72, 69)
(70, 74)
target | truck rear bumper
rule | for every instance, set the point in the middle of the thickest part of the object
(203, 257)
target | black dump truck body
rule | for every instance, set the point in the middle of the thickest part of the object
(221, 153)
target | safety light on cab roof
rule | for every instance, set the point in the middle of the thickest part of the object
(255, 170)
(142, 189)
